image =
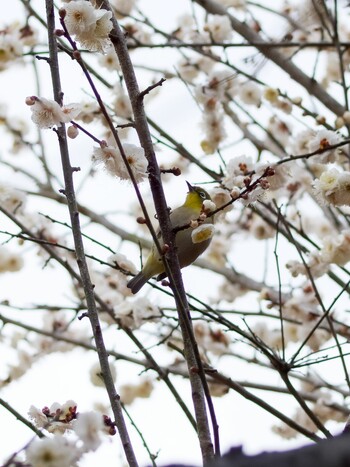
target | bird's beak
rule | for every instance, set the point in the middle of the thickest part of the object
(190, 187)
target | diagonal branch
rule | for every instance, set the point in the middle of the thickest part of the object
(200, 390)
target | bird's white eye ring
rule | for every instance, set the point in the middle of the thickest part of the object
(202, 194)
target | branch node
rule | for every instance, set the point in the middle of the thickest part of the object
(46, 59)
(142, 94)
(165, 249)
(126, 125)
(82, 316)
(174, 170)
(76, 55)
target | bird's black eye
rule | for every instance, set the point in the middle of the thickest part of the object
(202, 194)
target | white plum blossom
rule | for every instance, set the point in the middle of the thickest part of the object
(96, 375)
(219, 27)
(185, 21)
(60, 324)
(208, 206)
(218, 250)
(47, 113)
(333, 72)
(316, 263)
(10, 261)
(109, 59)
(210, 339)
(55, 419)
(17, 126)
(221, 85)
(217, 389)
(260, 229)
(17, 370)
(280, 131)
(188, 31)
(98, 39)
(123, 7)
(122, 105)
(205, 64)
(130, 392)
(336, 248)
(284, 105)
(88, 112)
(301, 306)
(89, 25)
(271, 95)
(187, 69)
(138, 34)
(37, 417)
(333, 187)
(214, 129)
(135, 314)
(110, 285)
(220, 196)
(11, 199)
(250, 93)
(28, 36)
(291, 332)
(300, 142)
(11, 48)
(314, 340)
(13, 37)
(229, 291)
(113, 162)
(135, 156)
(52, 452)
(271, 337)
(237, 170)
(122, 262)
(202, 233)
(322, 409)
(79, 17)
(321, 141)
(277, 174)
(88, 427)
(190, 67)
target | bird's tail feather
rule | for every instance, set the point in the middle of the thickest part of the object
(137, 282)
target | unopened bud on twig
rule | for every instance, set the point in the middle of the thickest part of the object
(72, 132)
(62, 13)
(30, 100)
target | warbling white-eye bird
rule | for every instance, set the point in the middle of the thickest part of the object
(187, 250)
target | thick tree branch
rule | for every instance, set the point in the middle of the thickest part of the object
(171, 262)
